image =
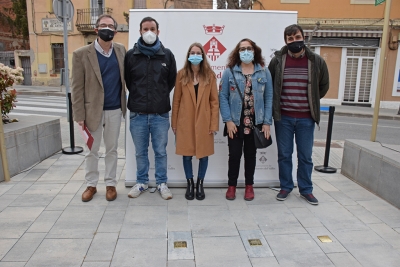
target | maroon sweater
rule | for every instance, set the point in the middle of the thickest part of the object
(294, 99)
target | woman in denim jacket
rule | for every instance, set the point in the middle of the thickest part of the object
(241, 115)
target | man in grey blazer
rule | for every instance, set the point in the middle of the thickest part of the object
(99, 100)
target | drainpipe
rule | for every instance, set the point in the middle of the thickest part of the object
(100, 7)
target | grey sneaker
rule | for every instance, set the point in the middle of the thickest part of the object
(164, 191)
(137, 189)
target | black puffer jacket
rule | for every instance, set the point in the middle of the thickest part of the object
(150, 80)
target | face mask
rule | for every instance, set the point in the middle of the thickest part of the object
(149, 37)
(246, 56)
(106, 34)
(195, 59)
(295, 47)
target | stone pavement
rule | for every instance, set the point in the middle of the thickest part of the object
(43, 222)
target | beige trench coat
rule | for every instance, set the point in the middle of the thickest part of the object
(193, 120)
(87, 85)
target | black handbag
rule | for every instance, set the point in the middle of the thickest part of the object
(259, 138)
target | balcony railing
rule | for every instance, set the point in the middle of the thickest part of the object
(86, 18)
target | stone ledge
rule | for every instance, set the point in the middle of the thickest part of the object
(29, 141)
(375, 166)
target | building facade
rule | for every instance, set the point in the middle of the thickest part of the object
(347, 34)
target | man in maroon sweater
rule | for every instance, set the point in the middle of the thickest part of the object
(300, 79)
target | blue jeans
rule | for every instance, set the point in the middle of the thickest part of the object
(142, 126)
(187, 166)
(303, 132)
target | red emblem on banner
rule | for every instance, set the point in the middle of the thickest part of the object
(214, 49)
(213, 30)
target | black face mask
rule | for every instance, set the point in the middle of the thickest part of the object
(106, 34)
(295, 47)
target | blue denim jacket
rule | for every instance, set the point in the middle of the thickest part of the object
(230, 102)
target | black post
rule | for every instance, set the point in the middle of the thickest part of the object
(326, 168)
(72, 149)
(398, 113)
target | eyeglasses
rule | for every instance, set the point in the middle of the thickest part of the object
(249, 48)
(195, 53)
(111, 26)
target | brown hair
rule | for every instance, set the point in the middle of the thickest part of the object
(106, 16)
(234, 58)
(205, 71)
(292, 29)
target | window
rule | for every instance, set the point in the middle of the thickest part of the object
(362, 2)
(295, 1)
(58, 57)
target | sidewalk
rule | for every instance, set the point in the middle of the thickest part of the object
(354, 111)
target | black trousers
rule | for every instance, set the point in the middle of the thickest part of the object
(237, 147)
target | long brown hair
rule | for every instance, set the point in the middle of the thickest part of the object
(234, 58)
(205, 71)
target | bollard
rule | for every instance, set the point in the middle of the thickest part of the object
(325, 168)
(72, 149)
(398, 113)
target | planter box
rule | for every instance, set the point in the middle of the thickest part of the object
(375, 167)
(29, 141)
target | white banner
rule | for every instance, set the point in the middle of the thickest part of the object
(219, 31)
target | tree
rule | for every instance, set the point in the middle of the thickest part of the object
(234, 4)
(17, 18)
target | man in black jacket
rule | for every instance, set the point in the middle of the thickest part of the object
(150, 72)
(300, 79)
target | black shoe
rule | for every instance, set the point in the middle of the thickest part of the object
(282, 195)
(310, 198)
(190, 189)
(200, 190)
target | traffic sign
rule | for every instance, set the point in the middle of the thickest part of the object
(58, 10)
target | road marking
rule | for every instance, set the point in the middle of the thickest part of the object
(41, 109)
(39, 103)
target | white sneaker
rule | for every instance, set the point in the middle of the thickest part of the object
(164, 191)
(137, 189)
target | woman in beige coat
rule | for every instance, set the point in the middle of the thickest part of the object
(195, 116)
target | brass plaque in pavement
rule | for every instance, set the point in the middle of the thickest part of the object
(324, 239)
(180, 244)
(255, 242)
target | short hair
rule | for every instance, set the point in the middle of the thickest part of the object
(292, 29)
(234, 58)
(148, 19)
(106, 16)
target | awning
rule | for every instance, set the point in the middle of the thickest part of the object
(345, 33)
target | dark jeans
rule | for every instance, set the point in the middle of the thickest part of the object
(237, 146)
(187, 166)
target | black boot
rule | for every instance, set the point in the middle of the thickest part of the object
(190, 189)
(199, 189)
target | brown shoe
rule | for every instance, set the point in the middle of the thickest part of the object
(111, 193)
(88, 194)
(249, 193)
(231, 193)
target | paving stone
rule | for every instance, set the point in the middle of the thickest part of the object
(220, 251)
(12, 264)
(181, 263)
(361, 194)
(25, 247)
(326, 186)
(387, 233)
(343, 260)
(60, 202)
(276, 219)
(64, 252)
(178, 220)
(342, 198)
(78, 175)
(335, 217)
(112, 221)
(148, 199)
(19, 188)
(363, 214)
(255, 251)
(180, 253)
(211, 221)
(145, 222)
(71, 187)
(306, 217)
(321, 195)
(44, 222)
(297, 250)
(45, 164)
(244, 220)
(17, 220)
(6, 245)
(332, 247)
(262, 196)
(262, 262)
(4, 187)
(33, 175)
(102, 247)
(96, 264)
(35, 200)
(140, 252)
(59, 173)
(384, 211)
(214, 197)
(76, 224)
(368, 248)
(6, 200)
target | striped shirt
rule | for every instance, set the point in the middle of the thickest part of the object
(294, 99)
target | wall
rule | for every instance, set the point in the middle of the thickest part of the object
(332, 56)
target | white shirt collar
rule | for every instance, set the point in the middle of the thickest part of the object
(101, 51)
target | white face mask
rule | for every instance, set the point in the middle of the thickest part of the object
(149, 37)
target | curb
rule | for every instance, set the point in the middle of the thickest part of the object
(41, 93)
(361, 115)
